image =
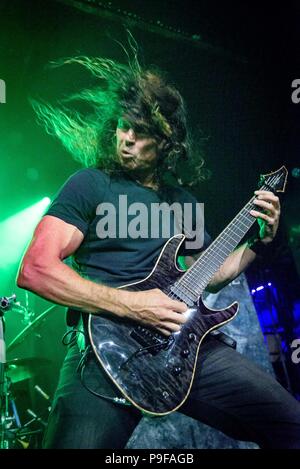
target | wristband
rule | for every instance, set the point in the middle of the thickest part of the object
(256, 245)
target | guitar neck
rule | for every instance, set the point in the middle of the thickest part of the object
(199, 275)
(192, 284)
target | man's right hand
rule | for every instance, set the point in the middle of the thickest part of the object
(44, 272)
(153, 308)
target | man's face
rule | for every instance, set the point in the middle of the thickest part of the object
(136, 151)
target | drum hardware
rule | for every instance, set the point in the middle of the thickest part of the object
(10, 420)
(33, 326)
(20, 369)
(35, 418)
(44, 395)
(24, 310)
(6, 302)
(12, 433)
(6, 401)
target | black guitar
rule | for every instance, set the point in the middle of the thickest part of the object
(155, 372)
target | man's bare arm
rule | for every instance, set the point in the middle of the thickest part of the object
(43, 272)
(234, 265)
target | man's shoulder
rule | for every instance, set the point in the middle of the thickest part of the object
(182, 194)
(88, 174)
(87, 180)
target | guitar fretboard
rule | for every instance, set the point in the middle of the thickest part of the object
(192, 284)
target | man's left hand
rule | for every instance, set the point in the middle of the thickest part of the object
(268, 220)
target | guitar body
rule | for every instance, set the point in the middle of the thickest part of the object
(153, 372)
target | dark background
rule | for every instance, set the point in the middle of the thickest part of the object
(236, 81)
(234, 63)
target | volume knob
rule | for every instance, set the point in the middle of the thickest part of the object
(177, 370)
(192, 337)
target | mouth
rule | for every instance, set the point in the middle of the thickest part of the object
(126, 154)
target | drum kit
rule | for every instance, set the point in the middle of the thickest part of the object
(21, 431)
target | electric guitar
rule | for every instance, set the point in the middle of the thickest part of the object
(155, 372)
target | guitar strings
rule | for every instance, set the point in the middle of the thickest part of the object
(227, 241)
(241, 220)
(226, 237)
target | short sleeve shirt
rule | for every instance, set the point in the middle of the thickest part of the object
(123, 224)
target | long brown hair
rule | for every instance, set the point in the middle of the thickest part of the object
(143, 97)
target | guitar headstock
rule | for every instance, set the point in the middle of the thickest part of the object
(275, 181)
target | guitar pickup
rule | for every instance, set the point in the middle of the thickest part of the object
(146, 338)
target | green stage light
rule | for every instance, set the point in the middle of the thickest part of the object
(16, 232)
(46, 201)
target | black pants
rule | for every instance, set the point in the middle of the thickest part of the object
(229, 393)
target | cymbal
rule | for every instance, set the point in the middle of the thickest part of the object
(20, 369)
(30, 328)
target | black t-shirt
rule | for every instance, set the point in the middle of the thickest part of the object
(100, 205)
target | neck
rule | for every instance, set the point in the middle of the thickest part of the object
(151, 182)
(147, 180)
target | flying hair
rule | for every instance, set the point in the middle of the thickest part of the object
(141, 96)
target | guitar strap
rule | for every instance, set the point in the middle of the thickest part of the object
(77, 329)
(82, 332)
(224, 338)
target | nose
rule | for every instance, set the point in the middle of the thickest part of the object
(130, 138)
